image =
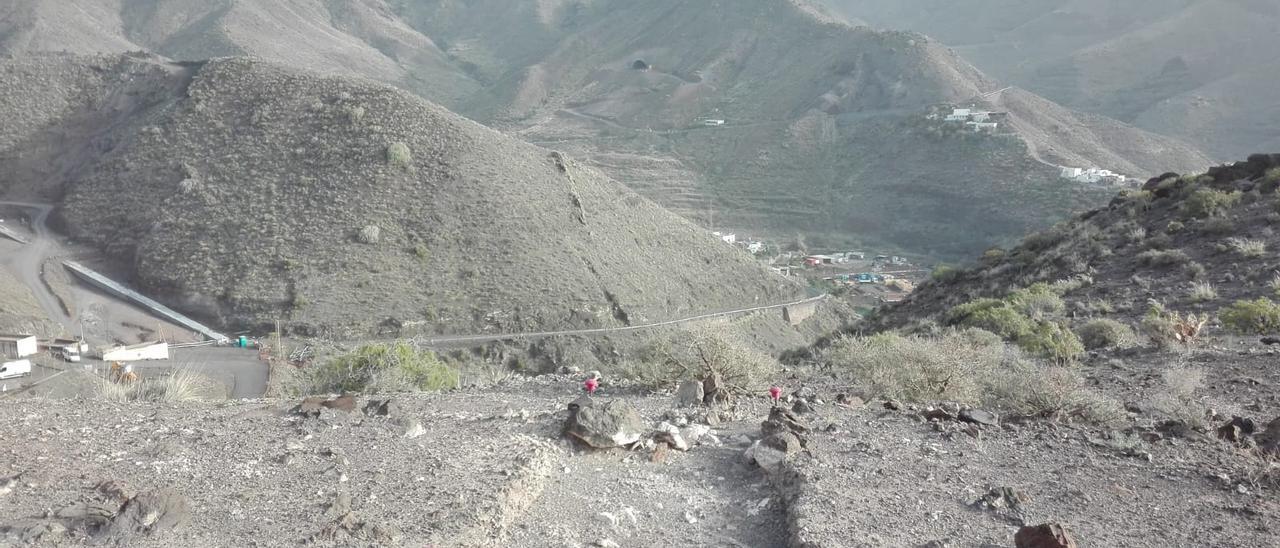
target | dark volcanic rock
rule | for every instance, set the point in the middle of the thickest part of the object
(1049, 535)
(604, 426)
(978, 416)
(1237, 430)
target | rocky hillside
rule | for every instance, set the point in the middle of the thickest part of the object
(248, 192)
(810, 104)
(1195, 245)
(1199, 70)
(491, 468)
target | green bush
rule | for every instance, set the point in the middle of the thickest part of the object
(1257, 317)
(945, 274)
(421, 252)
(398, 155)
(1052, 340)
(1040, 301)
(992, 315)
(1210, 203)
(1107, 334)
(969, 367)
(394, 367)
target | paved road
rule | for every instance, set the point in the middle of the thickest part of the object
(448, 340)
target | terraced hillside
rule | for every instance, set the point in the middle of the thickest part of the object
(249, 192)
(1199, 70)
(810, 104)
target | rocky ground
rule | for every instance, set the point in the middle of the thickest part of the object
(491, 467)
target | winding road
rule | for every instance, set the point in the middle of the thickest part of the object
(28, 262)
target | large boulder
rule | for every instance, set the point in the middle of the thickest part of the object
(603, 426)
(148, 514)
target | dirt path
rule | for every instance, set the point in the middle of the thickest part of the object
(27, 264)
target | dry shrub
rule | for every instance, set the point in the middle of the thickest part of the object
(372, 368)
(1202, 292)
(1250, 249)
(971, 367)
(699, 354)
(179, 386)
(1166, 328)
(1109, 334)
(1178, 400)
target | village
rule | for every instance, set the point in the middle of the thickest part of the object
(866, 279)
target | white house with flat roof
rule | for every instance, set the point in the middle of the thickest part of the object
(18, 346)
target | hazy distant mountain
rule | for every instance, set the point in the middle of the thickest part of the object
(1205, 71)
(822, 129)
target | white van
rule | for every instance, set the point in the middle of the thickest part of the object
(12, 370)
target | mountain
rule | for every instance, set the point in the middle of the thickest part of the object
(1191, 244)
(1199, 70)
(817, 114)
(244, 191)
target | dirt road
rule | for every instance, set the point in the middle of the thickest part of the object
(28, 262)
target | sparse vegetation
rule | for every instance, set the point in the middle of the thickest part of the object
(1107, 334)
(945, 273)
(1207, 202)
(1178, 400)
(701, 354)
(1251, 249)
(1202, 292)
(965, 366)
(392, 367)
(180, 386)
(1165, 328)
(398, 155)
(1174, 227)
(1027, 317)
(1257, 317)
(421, 252)
(1155, 257)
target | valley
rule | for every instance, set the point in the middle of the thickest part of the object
(803, 273)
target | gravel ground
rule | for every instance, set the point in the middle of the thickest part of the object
(487, 468)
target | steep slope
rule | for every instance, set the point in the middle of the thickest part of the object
(1194, 244)
(358, 38)
(251, 192)
(1200, 70)
(627, 86)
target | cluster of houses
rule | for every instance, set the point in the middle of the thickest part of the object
(834, 258)
(753, 247)
(977, 120)
(16, 352)
(1093, 175)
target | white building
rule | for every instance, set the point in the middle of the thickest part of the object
(1092, 175)
(18, 346)
(728, 238)
(713, 122)
(755, 247)
(137, 352)
(979, 127)
(959, 115)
